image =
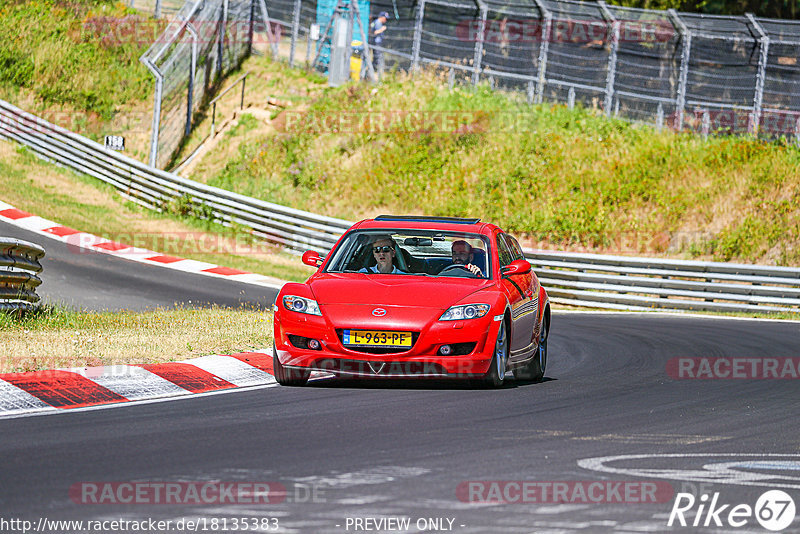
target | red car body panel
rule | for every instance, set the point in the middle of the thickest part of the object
(411, 304)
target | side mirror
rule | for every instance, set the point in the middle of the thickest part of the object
(516, 267)
(312, 258)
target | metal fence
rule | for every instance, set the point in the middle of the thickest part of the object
(204, 41)
(19, 265)
(579, 279)
(709, 74)
(156, 8)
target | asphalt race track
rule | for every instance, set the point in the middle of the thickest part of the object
(96, 281)
(347, 451)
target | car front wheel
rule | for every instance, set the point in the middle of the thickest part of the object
(534, 369)
(288, 377)
(497, 369)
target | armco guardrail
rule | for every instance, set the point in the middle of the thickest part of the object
(629, 283)
(19, 264)
(589, 280)
(154, 188)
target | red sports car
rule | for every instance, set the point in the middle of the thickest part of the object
(406, 296)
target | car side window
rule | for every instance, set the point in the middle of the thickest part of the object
(516, 250)
(506, 257)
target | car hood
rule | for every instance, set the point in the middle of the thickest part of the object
(393, 290)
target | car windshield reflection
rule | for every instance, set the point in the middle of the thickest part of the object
(412, 253)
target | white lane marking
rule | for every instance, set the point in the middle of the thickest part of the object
(258, 279)
(83, 241)
(661, 439)
(376, 475)
(232, 370)
(116, 405)
(191, 266)
(33, 223)
(19, 401)
(723, 475)
(133, 383)
(556, 311)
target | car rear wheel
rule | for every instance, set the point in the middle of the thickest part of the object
(288, 377)
(497, 369)
(534, 369)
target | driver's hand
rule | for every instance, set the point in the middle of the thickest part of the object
(474, 269)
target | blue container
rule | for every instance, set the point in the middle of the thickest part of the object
(325, 9)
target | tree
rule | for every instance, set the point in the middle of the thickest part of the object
(779, 9)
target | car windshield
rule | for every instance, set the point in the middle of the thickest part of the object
(412, 252)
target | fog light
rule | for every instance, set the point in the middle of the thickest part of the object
(444, 350)
(313, 344)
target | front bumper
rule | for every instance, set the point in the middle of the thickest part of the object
(421, 361)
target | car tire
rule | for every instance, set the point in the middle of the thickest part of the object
(497, 369)
(288, 377)
(534, 369)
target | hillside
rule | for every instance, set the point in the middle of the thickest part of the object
(564, 179)
(76, 64)
(560, 178)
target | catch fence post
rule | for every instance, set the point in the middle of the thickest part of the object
(415, 47)
(763, 58)
(686, 51)
(706, 128)
(612, 56)
(295, 30)
(156, 110)
(193, 67)
(478, 56)
(660, 117)
(544, 45)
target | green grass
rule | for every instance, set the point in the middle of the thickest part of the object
(74, 53)
(84, 203)
(59, 337)
(562, 178)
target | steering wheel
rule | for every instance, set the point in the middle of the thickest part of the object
(455, 266)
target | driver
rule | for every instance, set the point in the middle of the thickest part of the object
(462, 254)
(384, 253)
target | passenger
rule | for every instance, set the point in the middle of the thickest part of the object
(463, 254)
(384, 253)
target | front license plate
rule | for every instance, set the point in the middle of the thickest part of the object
(376, 338)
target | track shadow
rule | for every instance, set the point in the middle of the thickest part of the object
(419, 383)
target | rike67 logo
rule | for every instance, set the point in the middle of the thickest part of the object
(774, 510)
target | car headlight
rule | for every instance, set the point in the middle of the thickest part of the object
(466, 311)
(301, 305)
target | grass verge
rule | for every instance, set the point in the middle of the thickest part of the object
(57, 337)
(83, 54)
(562, 178)
(84, 203)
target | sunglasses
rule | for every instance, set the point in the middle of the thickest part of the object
(385, 248)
